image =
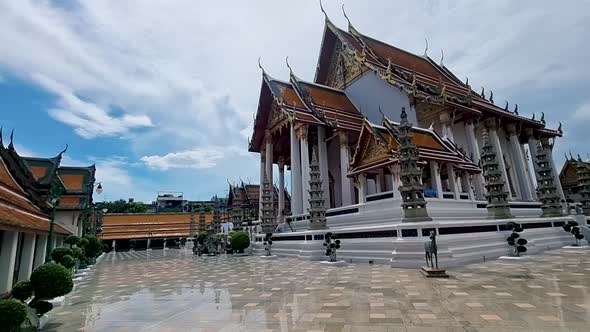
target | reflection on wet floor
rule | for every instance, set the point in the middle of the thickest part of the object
(173, 291)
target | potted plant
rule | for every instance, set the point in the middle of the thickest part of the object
(514, 240)
(572, 227)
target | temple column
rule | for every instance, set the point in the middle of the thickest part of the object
(296, 189)
(466, 184)
(395, 181)
(27, 257)
(549, 150)
(445, 121)
(530, 175)
(519, 163)
(495, 140)
(362, 188)
(474, 151)
(269, 158)
(302, 135)
(379, 181)
(436, 181)
(323, 160)
(41, 245)
(453, 180)
(262, 169)
(7, 260)
(344, 160)
(281, 190)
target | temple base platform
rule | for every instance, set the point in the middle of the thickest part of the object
(335, 263)
(460, 241)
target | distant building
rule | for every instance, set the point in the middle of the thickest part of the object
(243, 204)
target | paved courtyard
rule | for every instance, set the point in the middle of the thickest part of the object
(173, 291)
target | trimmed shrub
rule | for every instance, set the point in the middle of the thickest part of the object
(58, 253)
(515, 240)
(572, 227)
(72, 240)
(41, 307)
(68, 262)
(201, 238)
(83, 243)
(77, 253)
(240, 241)
(22, 290)
(50, 281)
(94, 246)
(12, 314)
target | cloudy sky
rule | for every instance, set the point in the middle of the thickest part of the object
(161, 94)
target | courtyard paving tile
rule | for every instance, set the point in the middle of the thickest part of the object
(170, 290)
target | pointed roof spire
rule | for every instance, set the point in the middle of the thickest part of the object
(350, 27)
(11, 145)
(442, 57)
(291, 75)
(260, 66)
(426, 48)
(323, 11)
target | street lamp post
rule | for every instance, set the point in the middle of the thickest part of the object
(55, 192)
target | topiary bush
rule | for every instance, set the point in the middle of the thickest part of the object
(72, 240)
(572, 227)
(22, 290)
(94, 246)
(240, 241)
(58, 253)
(77, 253)
(332, 244)
(50, 281)
(201, 238)
(12, 314)
(515, 240)
(83, 243)
(68, 262)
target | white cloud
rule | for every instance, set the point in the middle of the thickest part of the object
(583, 112)
(180, 79)
(198, 158)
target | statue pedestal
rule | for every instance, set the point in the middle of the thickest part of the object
(269, 257)
(336, 263)
(430, 272)
(516, 258)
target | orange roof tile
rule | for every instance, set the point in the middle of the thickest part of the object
(72, 181)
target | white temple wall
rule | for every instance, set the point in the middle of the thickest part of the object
(369, 92)
(334, 169)
(459, 136)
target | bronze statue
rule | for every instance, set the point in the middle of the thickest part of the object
(431, 251)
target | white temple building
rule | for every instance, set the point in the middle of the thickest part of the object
(350, 114)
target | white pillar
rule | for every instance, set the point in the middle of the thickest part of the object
(262, 169)
(305, 177)
(269, 159)
(41, 245)
(466, 184)
(453, 180)
(518, 162)
(149, 243)
(447, 130)
(362, 188)
(549, 150)
(27, 256)
(323, 160)
(344, 160)
(531, 182)
(379, 181)
(296, 189)
(473, 148)
(436, 180)
(281, 190)
(395, 178)
(495, 140)
(7, 260)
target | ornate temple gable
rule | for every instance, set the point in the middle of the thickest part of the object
(370, 149)
(344, 67)
(278, 119)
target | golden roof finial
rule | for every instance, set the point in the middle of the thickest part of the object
(289, 66)
(442, 57)
(426, 48)
(347, 19)
(323, 11)
(260, 66)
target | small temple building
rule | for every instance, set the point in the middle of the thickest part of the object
(394, 132)
(27, 188)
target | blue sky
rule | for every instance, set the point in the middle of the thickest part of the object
(160, 94)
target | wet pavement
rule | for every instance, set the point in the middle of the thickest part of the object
(173, 291)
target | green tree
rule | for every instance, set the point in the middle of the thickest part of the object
(122, 206)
